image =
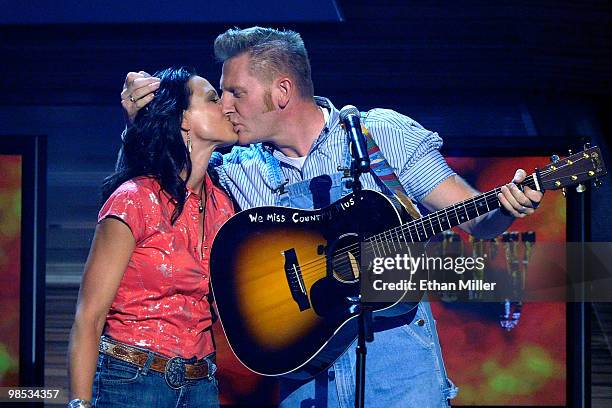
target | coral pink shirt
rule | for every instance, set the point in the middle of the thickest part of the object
(162, 302)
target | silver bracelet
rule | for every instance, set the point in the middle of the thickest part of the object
(79, 403)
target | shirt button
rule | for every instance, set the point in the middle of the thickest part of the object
(420, 322)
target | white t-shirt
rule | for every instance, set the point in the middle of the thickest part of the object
(298, 162)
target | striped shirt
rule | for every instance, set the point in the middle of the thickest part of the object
(410, 149)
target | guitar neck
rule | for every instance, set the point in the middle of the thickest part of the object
(420, 230)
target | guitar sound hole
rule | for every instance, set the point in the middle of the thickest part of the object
(345, 258)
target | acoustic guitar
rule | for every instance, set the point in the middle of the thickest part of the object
(282, 277)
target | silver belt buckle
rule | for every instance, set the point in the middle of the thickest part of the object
(175, 373)
(212, 368)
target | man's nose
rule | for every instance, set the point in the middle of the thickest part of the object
(227, 106)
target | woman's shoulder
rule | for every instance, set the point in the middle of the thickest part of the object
(138, 184)
(142, 186)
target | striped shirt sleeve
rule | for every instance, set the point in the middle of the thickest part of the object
(411, 150)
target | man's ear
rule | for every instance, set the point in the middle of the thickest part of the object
(284, 87)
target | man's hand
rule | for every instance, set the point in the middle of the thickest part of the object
(138, 90)
(516, 202)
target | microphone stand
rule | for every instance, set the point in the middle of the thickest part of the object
(360, 165)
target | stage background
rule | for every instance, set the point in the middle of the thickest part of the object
(481, 74)
(10, 267)
(527, 365)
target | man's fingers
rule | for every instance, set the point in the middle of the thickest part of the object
(144, 89)
(130, 78)
(534, 196)
(502, 199)
(529, 199)
(140, 88)
(136, 80)
(517, 200)
(126, 105)
(144, 100)
(507, 193)
(519, 176)
(519, 196)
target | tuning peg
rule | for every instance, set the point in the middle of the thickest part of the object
(554, 158)
(563, 192)
(569, 152)
(580, 188)
(587, 145)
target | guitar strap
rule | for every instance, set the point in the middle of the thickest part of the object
(381, 168)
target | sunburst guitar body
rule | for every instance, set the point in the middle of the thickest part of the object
(283, 277)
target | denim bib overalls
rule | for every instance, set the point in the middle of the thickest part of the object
(404, 366)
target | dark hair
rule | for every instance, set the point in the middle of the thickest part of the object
(272, 52)
(153, 146)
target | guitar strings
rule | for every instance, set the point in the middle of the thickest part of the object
(469, 204)
(413, 226)
(314, 266)
(397, 233)
(392, 235)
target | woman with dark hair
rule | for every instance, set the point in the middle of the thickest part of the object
(142, 331)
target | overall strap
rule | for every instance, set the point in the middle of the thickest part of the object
(381, 169)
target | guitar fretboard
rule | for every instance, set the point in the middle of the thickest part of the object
(422, 229)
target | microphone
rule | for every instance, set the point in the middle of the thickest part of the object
(350, 117)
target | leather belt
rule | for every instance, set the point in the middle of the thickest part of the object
(170, 367)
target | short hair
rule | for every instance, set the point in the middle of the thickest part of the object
(272, 52)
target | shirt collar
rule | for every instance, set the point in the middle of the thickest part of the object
(334, 114)
(333, 118)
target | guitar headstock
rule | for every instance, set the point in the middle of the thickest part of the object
(572, 170)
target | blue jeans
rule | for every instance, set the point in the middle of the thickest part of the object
(404, 369)
(118, 384)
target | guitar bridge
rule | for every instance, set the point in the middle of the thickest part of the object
(293, 272)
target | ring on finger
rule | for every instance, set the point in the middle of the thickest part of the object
(132, 99)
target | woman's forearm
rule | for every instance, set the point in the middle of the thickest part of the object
(83, 355)
(110, 253)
